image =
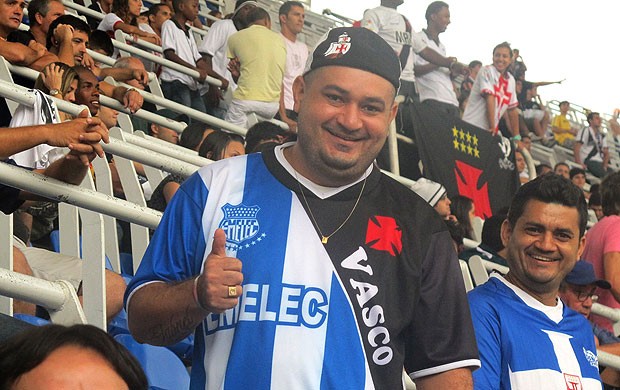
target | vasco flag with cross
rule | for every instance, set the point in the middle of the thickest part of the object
(466, 160)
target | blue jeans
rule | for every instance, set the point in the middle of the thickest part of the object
(180, 93)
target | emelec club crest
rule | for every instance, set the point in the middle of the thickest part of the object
(340, 48)
(240, 224)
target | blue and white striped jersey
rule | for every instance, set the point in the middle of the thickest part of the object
(384, 293)
(526, 345)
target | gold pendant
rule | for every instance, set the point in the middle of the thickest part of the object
(324, 239)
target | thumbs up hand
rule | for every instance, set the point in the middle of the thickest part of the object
(219, 286)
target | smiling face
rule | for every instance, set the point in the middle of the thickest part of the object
(343, 123)
(502, 58)
(88, 91)
(11, 14)
(542, 247)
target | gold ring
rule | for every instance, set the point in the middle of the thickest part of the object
(232, 291)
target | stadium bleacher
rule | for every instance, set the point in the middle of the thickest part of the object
(88, 213)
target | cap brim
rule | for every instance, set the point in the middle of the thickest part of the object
(602, 284)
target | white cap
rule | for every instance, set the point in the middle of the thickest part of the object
(429, 190)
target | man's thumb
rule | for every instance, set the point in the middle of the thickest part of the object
(219, 243)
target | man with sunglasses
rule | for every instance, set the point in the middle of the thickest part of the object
(578, 291)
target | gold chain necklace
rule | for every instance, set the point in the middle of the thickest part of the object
(325, 238)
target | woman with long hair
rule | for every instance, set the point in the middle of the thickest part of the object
(464, 210)
(124, 17)
(60, 81)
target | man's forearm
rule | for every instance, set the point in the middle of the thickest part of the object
(70, 171)
(433, 57)
(65, 53)
(18, 54)
(490, 100)
(118, 74)
(458, 379)
(421, 70)
(18, 139)
(163, 314)
(513, 115)
(172, 56)
(576, 150)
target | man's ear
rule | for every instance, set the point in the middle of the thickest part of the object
(506, 232)
(39, 18)
(299, 86)
(154, 129)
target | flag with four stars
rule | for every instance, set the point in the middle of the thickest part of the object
(467, 160)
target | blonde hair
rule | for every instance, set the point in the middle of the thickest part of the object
(67, 78)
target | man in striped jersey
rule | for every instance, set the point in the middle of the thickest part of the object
(306, 267)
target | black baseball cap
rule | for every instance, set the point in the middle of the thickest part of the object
(360, 48)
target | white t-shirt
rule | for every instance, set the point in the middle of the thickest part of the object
(215, 44)
(296, 57)
(173, 38)
(392, 27)
(108, 22)
(490, 81)
(591, 140)
(42, 112)
(435, 85)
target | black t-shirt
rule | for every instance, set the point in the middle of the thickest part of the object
(9, 196)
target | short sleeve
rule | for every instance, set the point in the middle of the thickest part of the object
(441, 336)
(486, 80)
(419, 42)
(582, 136)
(486, 326)
(214, 40)
(231, 46)
(168, 36)
(556, 121)
(108, 22)
(371, 21)
(178, 246)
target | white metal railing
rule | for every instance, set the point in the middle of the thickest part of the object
(59, 297)
(75, 195)
(190, 112)
(608, 312)
(105, 100)
(147, 45)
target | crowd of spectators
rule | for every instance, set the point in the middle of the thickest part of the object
(256, 71)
